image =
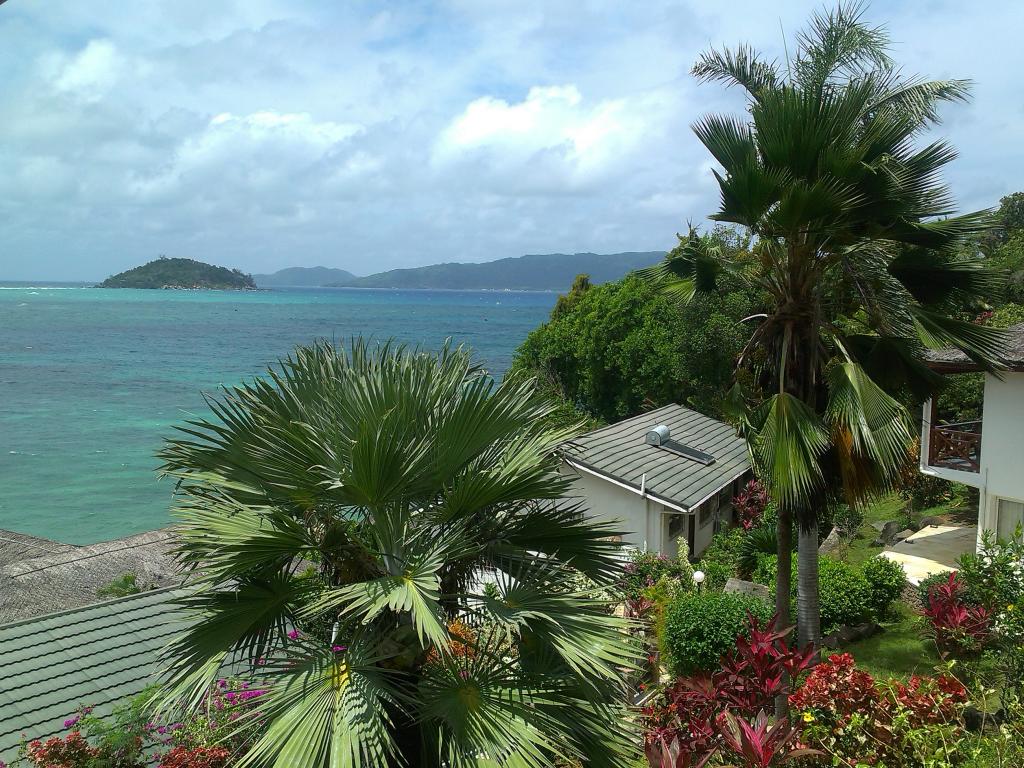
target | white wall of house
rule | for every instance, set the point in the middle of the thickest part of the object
(1000, 480)
(628, 510)
(646, 523)
(1002, 451)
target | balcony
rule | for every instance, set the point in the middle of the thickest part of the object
(956, 446)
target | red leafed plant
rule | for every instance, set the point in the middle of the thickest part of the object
(958, 628)
(836, 685)
(196, 757)
(683, 726)
(73, 751)
(761, 744)
(750, 504)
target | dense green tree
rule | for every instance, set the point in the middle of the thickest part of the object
(860, 258)
(614, 349)
(400, 477)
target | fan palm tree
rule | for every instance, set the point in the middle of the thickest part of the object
(338, 517)
(859, 259)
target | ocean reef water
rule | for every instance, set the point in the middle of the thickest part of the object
(92, 380)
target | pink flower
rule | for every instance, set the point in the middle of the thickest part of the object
(71, 722)
(339, 648)
(293, 635)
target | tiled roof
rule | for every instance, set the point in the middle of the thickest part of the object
(620, 452)
(17, 546)
(953, 360)
(95, 656)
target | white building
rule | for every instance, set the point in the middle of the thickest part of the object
(663, 475)
(986, 454)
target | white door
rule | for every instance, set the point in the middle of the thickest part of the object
(1009, 515)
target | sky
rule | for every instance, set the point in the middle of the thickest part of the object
(260, 134)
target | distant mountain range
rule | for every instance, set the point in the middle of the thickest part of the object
(180, 273)
(303, 277)
(535, 272)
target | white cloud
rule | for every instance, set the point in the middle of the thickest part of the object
(90, 74)
(552, 132)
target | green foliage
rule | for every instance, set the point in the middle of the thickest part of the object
(760, 540)
(614, 348)
(720, 561)
(645, 569)
(180, 273)
(700, 627)
(848, 519)
(844, 592)
(887, 581)
(401, 475)
(123, 586)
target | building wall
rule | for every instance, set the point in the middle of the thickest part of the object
(1002, 460)
(608, 502)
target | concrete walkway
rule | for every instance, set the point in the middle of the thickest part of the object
(933, 549)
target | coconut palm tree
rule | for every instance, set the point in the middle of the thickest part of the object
(859, 259)
(338, 518)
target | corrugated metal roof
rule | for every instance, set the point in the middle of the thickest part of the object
(620, 452)
(94, 656)
(953, 360)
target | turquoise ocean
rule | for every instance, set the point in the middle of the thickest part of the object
(92, 380)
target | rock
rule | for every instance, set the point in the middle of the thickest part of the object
(889, 531)
(741, 587)
(851, 634)
(932, 520)
(878, 525)
(831, 542)
(903, 535)
(977, 721)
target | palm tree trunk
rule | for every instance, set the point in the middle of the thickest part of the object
(808, 605)
(783, 587)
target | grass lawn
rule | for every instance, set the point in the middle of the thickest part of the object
(887, 508)
(901, 651)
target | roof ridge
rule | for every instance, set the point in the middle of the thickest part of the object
(92, 606)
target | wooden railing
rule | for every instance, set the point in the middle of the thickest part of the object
(956, 446)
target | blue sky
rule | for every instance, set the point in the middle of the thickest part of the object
(368, 135)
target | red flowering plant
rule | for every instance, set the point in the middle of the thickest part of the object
(750, 504)
(196, 757)
(685, 723)
(227, 718)
(71, 751)
(958, 627)
(761, 743)
(846, 714)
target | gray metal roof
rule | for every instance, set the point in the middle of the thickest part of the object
(953, 360)
(97, 656)
(619, 452)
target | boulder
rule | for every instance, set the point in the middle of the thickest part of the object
(831, 542)
(741, 587)
(889, 531)
(903, 535)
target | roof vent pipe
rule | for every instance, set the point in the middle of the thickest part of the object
(659, 435)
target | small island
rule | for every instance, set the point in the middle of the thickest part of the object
(181, 274)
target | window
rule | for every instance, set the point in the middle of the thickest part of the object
(707, 509)
(1009, 515)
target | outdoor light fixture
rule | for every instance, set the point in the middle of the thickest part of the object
(698, 579)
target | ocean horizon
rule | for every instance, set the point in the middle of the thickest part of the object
(93, 379)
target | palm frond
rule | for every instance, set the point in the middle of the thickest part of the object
(786, 443)
(742, 67)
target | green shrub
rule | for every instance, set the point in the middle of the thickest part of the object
(887, 581)
(645, 569)
(719, 560)
(843, 591)
(928, 582)
(848, 519)
(123, 586)
(700, 627)
(762, 540)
